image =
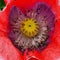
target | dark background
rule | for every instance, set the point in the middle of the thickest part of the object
(2, 4)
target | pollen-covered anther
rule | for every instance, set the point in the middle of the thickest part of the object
(29, 27)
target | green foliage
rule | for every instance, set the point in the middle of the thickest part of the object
(2, 4)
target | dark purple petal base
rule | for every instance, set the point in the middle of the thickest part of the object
(44, 17)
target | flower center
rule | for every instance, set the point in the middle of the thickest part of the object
(29, 27)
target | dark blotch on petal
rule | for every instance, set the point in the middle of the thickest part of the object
(45, 13)
(14, 22)
(41, 7)
(15, 14)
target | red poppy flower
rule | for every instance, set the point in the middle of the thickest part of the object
(7, 49)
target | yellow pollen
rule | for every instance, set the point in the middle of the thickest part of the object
(29, 27)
